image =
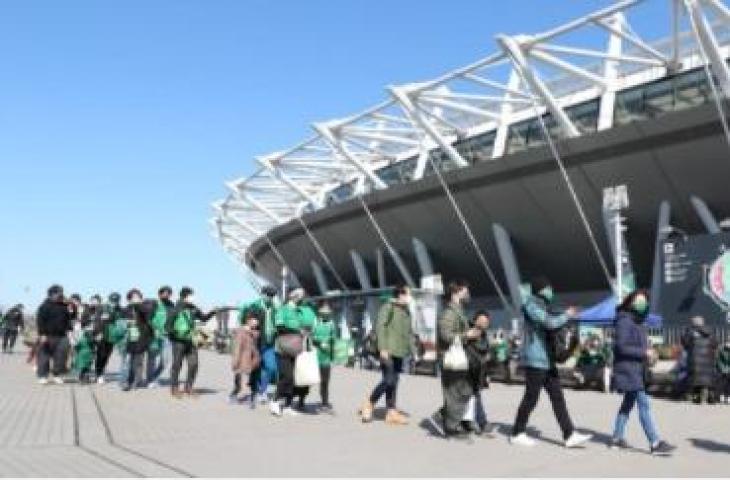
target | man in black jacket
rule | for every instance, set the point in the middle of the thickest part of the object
(181, 330)
(12, 323)
(139, 335)
(54, 323)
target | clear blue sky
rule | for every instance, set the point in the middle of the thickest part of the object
(119, 121)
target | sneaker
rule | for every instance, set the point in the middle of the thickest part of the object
(57, 380)
(326, 407)
(275, 408)
(100, 380)
(436, 421)
(290, 412)
(394, 417)
(154, 384)
(522, 440)
(618, 444)
(577, 439)
(662, 448)
(366, 412)
(262, 398)
(43, 381)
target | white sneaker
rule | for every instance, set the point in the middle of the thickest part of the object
(262, 398)
(43, 381)
(58, 380)
(522, 440)
(290, 412)
(577, 439)
(275, 408)
(100, 380)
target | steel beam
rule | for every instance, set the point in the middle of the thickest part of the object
(661, 235)
(708, 42)
(706, 216)
(319, 277)
(509, 264)
(423, 258)
(361, 270)
(380, 262)
(329, 135)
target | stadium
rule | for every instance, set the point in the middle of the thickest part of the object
(588, 153)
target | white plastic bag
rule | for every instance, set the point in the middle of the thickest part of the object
(455, 357)
(470, 413)
(306, 368)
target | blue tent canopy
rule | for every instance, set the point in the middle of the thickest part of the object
(604, 313)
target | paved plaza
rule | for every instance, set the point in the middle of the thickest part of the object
(77, 430)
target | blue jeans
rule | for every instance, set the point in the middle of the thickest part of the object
(157, 360)
(641, 398)
(268, 369)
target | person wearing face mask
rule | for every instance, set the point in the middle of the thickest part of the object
(11, 324)
(84, 348)
(393, 332)
(157, 353)
(453, 326)
(266, 372)
(541, 316)
(139, 335)
(324, 336)
(54, 322)
(631, 352)
(291, 323)
(108, 333)
(181, 331)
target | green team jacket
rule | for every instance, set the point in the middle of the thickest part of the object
(393, 329)
(324, 338)
(295, 317)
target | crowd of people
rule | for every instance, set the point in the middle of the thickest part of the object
(282, 349)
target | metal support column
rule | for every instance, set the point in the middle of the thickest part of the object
(361, 270)
(423, 258)
(706, 216)
(380, 262)
(320, 278)
(661, 235)
(509, 264)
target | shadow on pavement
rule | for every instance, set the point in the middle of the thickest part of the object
(710, 445)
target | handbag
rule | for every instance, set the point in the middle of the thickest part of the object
(306, 367)
(455, 359)
(290, 344)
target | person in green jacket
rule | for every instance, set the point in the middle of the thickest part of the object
(324, 336)
(158, 352)
(267, 370)
(292, 321)
(453, 326)
(394, 331)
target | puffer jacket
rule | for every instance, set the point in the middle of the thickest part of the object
(538, 320)
(629, 352)
(700, 346)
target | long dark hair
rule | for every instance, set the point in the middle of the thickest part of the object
(628, 304)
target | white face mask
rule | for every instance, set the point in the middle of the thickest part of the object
(190, 299)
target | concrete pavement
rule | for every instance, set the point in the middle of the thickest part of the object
(82, 431)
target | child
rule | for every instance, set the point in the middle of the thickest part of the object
(324, 337)
(246, 356)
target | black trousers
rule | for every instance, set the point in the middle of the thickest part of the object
(324, 386)
(285, 384)
(103, 352)
(189, 353)
(136, 369)
(535, 380)
(10, 335)
(389, 384)
(54, 349)
(457, 390)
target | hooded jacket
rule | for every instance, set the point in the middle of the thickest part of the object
(53, 319)
(538, 320)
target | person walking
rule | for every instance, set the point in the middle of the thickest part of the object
(478, 350)
(453, 330)
(12, 324)
(541, 317)
(54, 322)
(290, 329)
(631, 353)
(722, 364)
(700, 345)
(181, 331)
(324, 337)
(393, 332)
(159, 346)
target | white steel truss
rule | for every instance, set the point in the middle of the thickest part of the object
(587, 59)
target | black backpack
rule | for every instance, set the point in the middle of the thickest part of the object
(562, 342)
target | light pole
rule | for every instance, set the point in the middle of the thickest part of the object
(616, 199)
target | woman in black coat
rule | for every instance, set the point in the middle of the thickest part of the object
(631, 351)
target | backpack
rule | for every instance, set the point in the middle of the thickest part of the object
(183, 325)
(562, 342)
(370, 344)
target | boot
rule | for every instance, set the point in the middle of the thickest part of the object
(394, 417)
(366, 412)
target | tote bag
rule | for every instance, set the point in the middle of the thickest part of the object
(455, 358)
(306, 367)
